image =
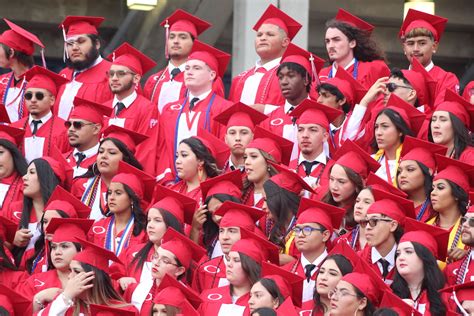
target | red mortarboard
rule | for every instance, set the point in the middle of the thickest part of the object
(141, 183)
(128, 137)
(378, 183)
(42, 78)
(228, 183)
(90, 111)
(78, 25)
(182, 21)
(345, 16)
(240, 114)
(105, 310)
(278, 147)
(421, 151)
(218, 149)
(462, 292)
(328, 216)
(343, 248)
(412, 117)
(20, 39)
(455, 171)
(289, 180)
(355, 158)
(391, 205)
(289, 284)
(7, 229)
(13, 302)
(12, 134)
(174, 293)
(275, 16)
(95, 256)
(65, 229)
(128, 56)
(256, 247)
(216, 59)
(182, 247)
(312, 63)
(60, 166)
(238, 215)
(350, 88)
(417, 19)
(468, 91)
(435, 239)
(458, 106)
(417, 81)
(430, 82)
(395, 303)
(312, 112)
(180, 205)
(62, 200)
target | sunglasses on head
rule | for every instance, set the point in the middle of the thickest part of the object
(469, 220)
(76, 124)
(393, 86)
(373, 221)
(38, 95)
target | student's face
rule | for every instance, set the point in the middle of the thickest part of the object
(362, 203)
(255, 165)
(442, 197)
(442, 128)
(329, 99)
(328, 277)
(156, 226)
(237, 138)
(108, 158)
(180, 44)
(62, 254)
(338, 45)
(344, 301)
(228, 236)
(235, 274)
(410, 176)
(270, 42)
(307, 243)
(36, 106)
(260, 297)
(292, 84)
(382, 230)
(118, 200)
(408, 263)
(385, 132)
(7, 166)
(47, 217)
(197, 74)
(311, 138)
(187, 163)
(467, 233)
(31, 185)
(420, 47)
(341, 187)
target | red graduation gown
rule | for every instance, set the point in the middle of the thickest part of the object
(319, 175)
(367, 72)
(83, 189)
(348, 238)
(70, 310)
(366, 255)
(13, 185)
(94, 86)
(40, 281)
(209, 273)
(11, 96)
(39, 261)
(444, 80)
(452, 269)
(13, 279)
(147, 305)
(181, 187)
(83, 166)
(130, 268)
(467, 156)
(214, 299)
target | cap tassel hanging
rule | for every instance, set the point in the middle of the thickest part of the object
(313, 70)
(65, 55)
(43, 60)
(167, 35)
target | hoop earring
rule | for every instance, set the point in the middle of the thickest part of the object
(200, 173)
(131, 206)
(94, 168)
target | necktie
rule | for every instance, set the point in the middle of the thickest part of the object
(80, 158)
(308, 166)
(118, 108)
(35, 126)
(385, 265)
(293, 118)
(174, 72)
(193, 101)
(307, 271)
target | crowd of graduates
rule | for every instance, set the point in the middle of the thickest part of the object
(318, 186)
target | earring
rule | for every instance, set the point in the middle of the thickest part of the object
(200, 173)
(434, 52)
(268, 169)
(131, 206)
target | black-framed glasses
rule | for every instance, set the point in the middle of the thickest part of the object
(38, 95)
(393, 86)
(119, 73)
(306, 230)
(76, 124)
(373, 221)
(162, 260)
(469, 220)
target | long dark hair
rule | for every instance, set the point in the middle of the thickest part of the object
(203, 153)
(273, 289)
(461, 196)
(366, 48)
(433, 280)
(462, 137)
(332, 89)
(251, 268)
(399, 123)
(280, 203)
(5, 262)
(102, 291)
(370, 307)
(19, 162)
(248, 186)
(427, 178)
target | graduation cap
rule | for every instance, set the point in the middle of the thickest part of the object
(105, 310)
(275, 16)
(13, 302)
(459, 107)
(310, 62)
(180, 205)
(12, 134)
(435, 239)
(289, 180)
(218, 149)
(460, 293)
(240, 114)
(289, 284)
(42, 78)
(8, 229)
(129, 138)
(174, 293)
(130, 57)
(278, 147)
(78, 25)
(256, 247)
(65, 229)
(430, 83)
(63, 200)
(350, 88)
(182, 247)
(229, 183)
(342, 248)
(238, 215)
(20, 39)
(390, 300)
(418, 82)
(418, 19)
(355, 158)
(411, 116)
(95, 255)
(60, 166)
(378, 183)
(391, 205)
(468, 91)
(216, 59)
(141, 183)
(345, 16)
(455, 171)
(312, 112)
(312, 211)
(421, 151)
(90, 111)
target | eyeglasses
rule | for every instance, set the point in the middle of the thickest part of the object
(335, 293)
(306, 230)
(393, 86)
(162, 260)
(469, 220)
(373, 221)
(119, 73)
(38, 95)
(76, 124)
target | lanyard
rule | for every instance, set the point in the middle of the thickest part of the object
(354, 72)
(354, 236)
(110, 242)
(20, 94)
(424, 206)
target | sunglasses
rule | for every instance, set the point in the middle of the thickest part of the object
(38, 95)
(469, 220)
(373, 221)
(393, 86)
(119, 73)
(76, 124)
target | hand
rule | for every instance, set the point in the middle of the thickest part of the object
(409, 302)
(45, 296)
(125, 282)
(22, 237)
(199, 217)
(468, 305)
(456, 254)
(377, 88)
(284, 259)
(78, 284)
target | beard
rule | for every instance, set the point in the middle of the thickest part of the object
(125, 87)
(91, 57)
